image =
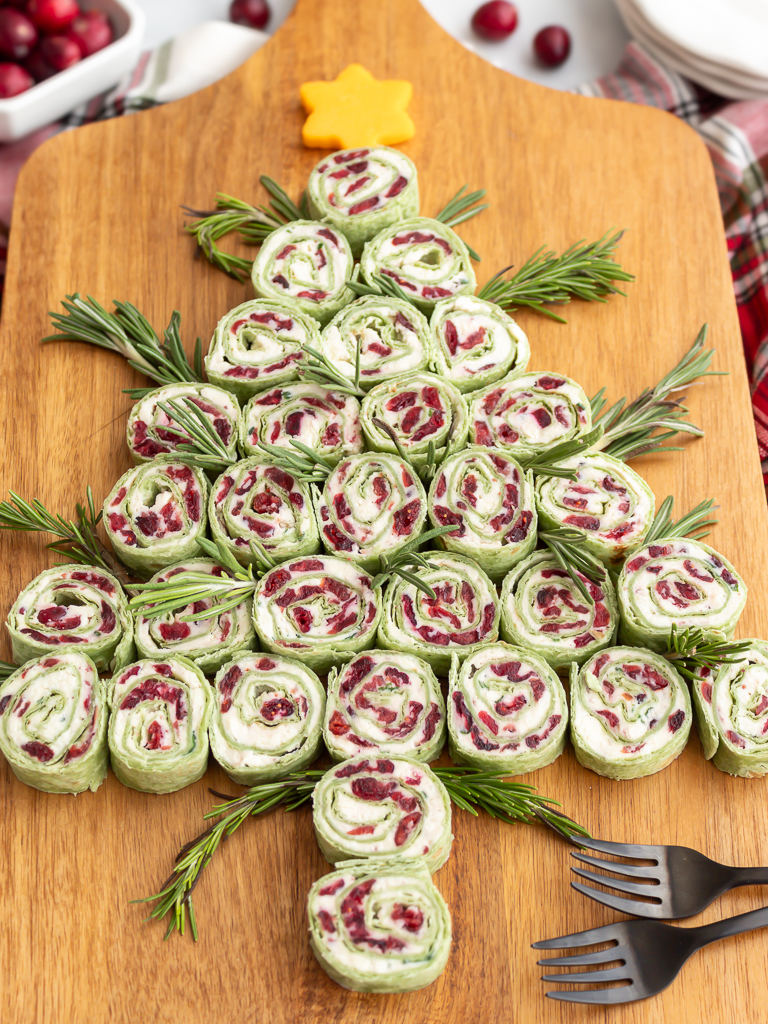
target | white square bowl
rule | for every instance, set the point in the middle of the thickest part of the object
(49, 100)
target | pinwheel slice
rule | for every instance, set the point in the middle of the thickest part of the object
(156, 513)
(320, 610)
(151, 431)
(256, 501)
(372, 504)
(421, 410)
(530, 413)
(543, 610)
(506, 711)
(307, 264)
(384, 702)
(379, 926)
(476, 343)
(362, 191)
(678, 582)
(382, 807)
(490, 498)
(731, 704)
(53, 724)
(72, 608)
(426, 258)
(630, 713)
(210, 639)
(267, 718)
(259, 344)
(463, 613)
(326, 421)
(158, 729)
(610, 505)
(393, 337)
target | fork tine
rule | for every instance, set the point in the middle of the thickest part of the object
(636, 907)
(591, 977)
(627, 994)
(590, 937)
(618, 883)
(601, 956)
(635, 870)
(635, 850)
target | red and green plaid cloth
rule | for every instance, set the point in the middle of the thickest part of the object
(736, 134)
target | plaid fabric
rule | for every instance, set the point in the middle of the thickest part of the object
(736, 135)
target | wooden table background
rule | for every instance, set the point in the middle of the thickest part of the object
(97, 211)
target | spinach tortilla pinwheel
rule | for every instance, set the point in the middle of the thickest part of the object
(72, 607)
(382, 807)
(392, 335)
(155, 514)
(53, 724)
(421, 409)
(209, 638)
(307, 264)
(490, 498)
(384, 702)
(426, 258)
(731, 704)
(529, 413)
(371, 505)
(326, 421)
(463, 614)
(543, 610)
(320, 610)
(267, 718)
(158, 729)
(678, 582)
(362, 191)
(379, 926)
(476, 343)
(259, 344)
(151, 431)
(630, 713)
(256, 501)
(610, 505)
(506, 711)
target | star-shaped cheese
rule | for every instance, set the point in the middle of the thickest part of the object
(356, 110)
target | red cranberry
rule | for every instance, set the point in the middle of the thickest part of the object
(252, 13)
(495, 20)
(13, 80)
(91, 31)
(38, 66)
(21, 4)
(52, 15)
(552, 45)
(60, 52)
(18, 36)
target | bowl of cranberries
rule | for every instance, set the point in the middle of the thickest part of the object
(55, 54)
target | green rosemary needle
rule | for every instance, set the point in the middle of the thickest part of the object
(317, 368)
(690, 650)
(547, 463)
(587, 270)
(78, 540)
(304, 463)
(199, 444)
(695, 524)
(458, 210)
(408, 560)
(567, 546)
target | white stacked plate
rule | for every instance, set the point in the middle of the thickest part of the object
(719, 44)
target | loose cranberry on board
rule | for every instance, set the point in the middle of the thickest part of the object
(18, 36)
(52, 15)
(91, 31)
(60, 52)
(552, 45)
(495, 20)
(251, 13)
(14, 80)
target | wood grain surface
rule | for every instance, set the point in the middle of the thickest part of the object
(97, 211)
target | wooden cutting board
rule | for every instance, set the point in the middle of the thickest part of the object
(97, 211)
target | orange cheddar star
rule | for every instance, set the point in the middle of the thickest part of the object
(356, 110)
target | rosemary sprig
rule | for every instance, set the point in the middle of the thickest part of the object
(587, 270)
(547, 463)
(7, 669)
(382, 285)
(303, 463)
(629, 428)
(407, 557)
(457, 210)
(77, 541)
(469, 788)
(199, 443)
(695, 524)
(567, 546)
(690, 650)
(317, 368)
(128, 332)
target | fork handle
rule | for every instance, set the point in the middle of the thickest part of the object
(731, 926)
(748, 876)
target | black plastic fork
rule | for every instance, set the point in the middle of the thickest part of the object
(679, 882)
(651, 955)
